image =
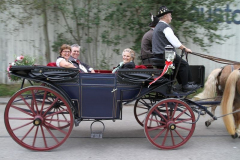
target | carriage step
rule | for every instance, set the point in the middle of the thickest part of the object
(97, 134)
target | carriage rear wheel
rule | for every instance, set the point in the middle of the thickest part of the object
(174, 124)
(38, 118)
(142, 106)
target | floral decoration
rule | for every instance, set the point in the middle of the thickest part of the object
(19, 61)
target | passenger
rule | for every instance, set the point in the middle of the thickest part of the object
(63, 59)
(162, 36)
(128, 56)
(146, 44)
(84, 68)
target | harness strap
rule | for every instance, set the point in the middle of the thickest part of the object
(216, 59)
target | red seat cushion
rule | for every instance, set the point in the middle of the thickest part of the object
(52, 64)
(140, 67)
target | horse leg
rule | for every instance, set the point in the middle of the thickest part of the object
(213, 108)
(208, 122)
(236, 115)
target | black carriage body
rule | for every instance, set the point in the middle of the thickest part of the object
(99, 96)
(96, 96)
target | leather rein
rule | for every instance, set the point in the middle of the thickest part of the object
(215, 59)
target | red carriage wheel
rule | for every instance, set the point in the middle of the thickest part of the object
(38, 118)
(142, 106)
(174, 124)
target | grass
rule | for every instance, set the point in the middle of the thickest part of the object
(8, 89)
(192, 95)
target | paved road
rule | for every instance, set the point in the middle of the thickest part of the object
(125, 139)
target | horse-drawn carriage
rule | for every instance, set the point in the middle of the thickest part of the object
(41, 117)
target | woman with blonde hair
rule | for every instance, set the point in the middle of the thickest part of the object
(128, 56)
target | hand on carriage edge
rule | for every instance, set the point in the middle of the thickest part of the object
(163, 35)
(128, 56)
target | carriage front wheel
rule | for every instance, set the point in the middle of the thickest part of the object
(174, 124)
(38, 118)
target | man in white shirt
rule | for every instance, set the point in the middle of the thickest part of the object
(162, 36)
(84, 68)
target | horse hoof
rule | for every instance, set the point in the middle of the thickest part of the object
(207, 123)
(235, 136)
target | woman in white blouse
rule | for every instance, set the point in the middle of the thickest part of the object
(63, 59)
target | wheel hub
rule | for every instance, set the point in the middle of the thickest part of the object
(172, 126)
(37, 121)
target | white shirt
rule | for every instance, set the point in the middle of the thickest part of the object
(59, 60)
(171, 37)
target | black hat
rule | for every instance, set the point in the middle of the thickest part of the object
(162, 11)
(154, 22)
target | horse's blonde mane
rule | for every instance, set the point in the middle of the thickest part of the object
(227, 101)
(209, 90)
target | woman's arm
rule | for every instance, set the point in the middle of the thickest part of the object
(61, 62)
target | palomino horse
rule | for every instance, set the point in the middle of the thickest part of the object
(214, 88)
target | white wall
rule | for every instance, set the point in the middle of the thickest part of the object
(228, 50)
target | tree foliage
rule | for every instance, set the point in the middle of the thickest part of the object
(188, 23)
(101, 26)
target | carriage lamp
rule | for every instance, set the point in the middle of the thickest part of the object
(169, 53)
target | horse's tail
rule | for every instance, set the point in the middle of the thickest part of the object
(209, 90)
(227, 102)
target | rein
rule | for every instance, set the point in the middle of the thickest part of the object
(215, 59)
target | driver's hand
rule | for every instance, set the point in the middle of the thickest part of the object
(188, 50)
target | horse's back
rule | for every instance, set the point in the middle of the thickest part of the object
(227, 70)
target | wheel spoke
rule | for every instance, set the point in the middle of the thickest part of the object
(54, 137)
(18, 118)
(180, 114)
(34, 101)
(56, 113)
(172, 137)
(38, 118)
(159, 134)
(166, 106)
(179, 134)
(27, 104)
(27, 133)
(57, 120)
(156, 110)
(156, 128)
(174, 111)
(50, 107)
(171, 130)
(52, 126)
(21, 126)
(22, 110)
(44, 138)
(142, 107)
(35, 136)
(187, 129)
(43, 101)
(165, 137)
(184, 120)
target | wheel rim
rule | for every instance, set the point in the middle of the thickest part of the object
(38, 118)
(142, 106)
(173, 125)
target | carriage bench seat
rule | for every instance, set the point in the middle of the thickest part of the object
(45, 73)
(157, 60)
(140, 76)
